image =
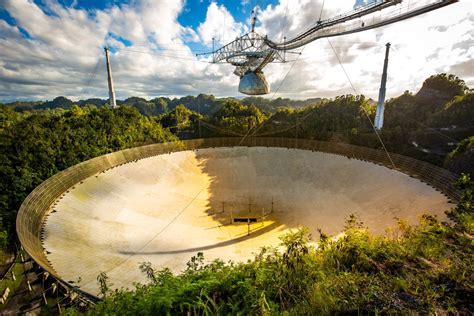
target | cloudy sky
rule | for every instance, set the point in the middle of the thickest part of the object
(50, 48)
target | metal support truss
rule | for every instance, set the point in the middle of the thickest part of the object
(251, 52)
(248, 52)
(373, 15)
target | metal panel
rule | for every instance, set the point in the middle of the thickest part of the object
(40, 202)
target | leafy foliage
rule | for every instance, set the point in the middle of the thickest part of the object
(448, 86)
(421, 269)
(181, 121)
(338, 118)
(3, 240)
(238, 118)
(458, 112)
(461, 159)
(35, 146)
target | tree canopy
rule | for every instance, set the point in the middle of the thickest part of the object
(34, 146)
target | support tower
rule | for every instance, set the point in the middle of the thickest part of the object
(380, 104)
(113, 103)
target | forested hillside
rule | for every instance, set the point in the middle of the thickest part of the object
(35, 146)
(434, 124)
(428, 125)
(204, 104)
(423, 269)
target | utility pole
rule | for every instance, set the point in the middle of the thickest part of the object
(378, 124)
(113, 103)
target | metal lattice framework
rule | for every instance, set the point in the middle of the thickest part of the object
(247, 52)
(252, 51)
(374, 15)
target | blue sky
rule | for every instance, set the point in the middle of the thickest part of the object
(192, 14)
(55, 47)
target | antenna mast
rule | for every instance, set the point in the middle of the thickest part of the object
(113, 103)
(378, 124)
(254, 18)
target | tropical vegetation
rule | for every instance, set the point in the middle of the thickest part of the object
(425, 269)
(422, 269)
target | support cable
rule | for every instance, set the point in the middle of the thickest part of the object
(281, 83)
(321, 13)
(92, 75)
(219, 129)
(424, 125)
(283, 23)
(165, 55)
(363, 109)
(300, 122)
(155, 236)
(223, 28)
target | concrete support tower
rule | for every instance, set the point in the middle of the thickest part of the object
(380, 104)
(113, 103)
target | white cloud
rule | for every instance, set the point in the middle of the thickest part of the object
(440, 41)
(65, 46)
(220, 25)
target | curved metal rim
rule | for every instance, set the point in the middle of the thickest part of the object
(37, 206)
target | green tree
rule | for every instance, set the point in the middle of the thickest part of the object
(34, 146)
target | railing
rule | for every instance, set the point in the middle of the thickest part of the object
(38, 204)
